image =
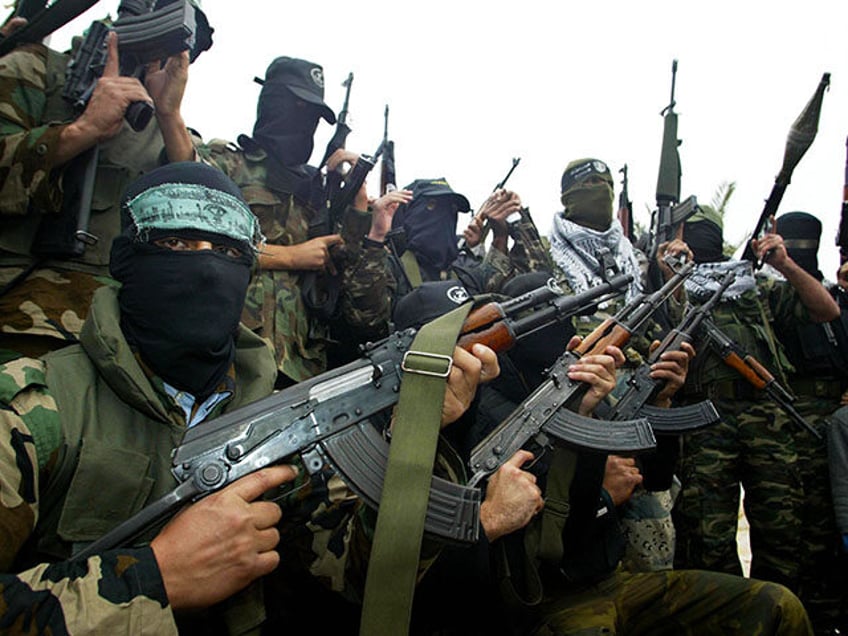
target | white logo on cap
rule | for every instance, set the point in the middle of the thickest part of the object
(599, 166)
(457, 295)
(317, 76)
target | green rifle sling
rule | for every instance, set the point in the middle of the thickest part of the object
(393, 566)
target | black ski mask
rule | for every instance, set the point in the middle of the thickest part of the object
(285, 125)
(430, 227)
(180, 309)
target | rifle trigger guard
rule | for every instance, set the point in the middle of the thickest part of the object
(421, 362)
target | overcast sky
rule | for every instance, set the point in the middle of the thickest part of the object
(471, 85)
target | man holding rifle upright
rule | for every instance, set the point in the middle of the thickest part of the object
(271, 167)
(756, 442)
(69, 162)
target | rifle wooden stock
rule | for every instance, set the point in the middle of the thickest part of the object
(755, 373)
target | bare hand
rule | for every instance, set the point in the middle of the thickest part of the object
(500, 205)
(620, 478)
(103, 117)
(12, 25)
(598, 371)
(473, 234)
(771, 242)
(217, 546)
(342, 156)
(674, 248)
(467, 371)
(313, 254)
(383, 211)
(512, 498)
(166, 84)
(671, 367)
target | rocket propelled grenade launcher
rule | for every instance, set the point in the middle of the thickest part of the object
(801, 135)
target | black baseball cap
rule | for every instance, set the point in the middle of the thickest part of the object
(303, 78)
(428, 301)
(438, 187)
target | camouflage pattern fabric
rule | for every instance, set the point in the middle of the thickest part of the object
(46, 309)
(674, 603)
(823, 579)
(116, 588)
(527, 254)
(275, 308)
(755, 445)
(121, 591)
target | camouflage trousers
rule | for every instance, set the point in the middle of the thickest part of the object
(754, 445)
(676, 603)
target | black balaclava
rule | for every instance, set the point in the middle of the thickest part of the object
(180, 310)
(801, 234)
(702, 232)
(290, 105)
(285, 125)
(429, 223)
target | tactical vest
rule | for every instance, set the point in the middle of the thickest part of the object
(127, 447)
(122, 159)
(819, 350)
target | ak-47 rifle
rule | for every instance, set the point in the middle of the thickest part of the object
(642, 388)
(43, 20)
(842, 235)
(667, 220)
(388, 176)
(325, 421)
(800, 138)
(625, 206)
(538, 415)
(753, 372)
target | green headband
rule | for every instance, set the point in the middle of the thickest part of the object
(184, 206)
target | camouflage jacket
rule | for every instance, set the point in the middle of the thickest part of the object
(53, 300)
(275, 308)
(527, 254)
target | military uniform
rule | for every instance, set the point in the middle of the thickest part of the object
(53, 504)
(819, 353)
(51, 303)
(754, 444)
(275, 308)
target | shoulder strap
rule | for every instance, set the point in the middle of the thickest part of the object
(410, 266)
(393, 567)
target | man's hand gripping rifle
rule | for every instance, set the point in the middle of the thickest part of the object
(642, 388)
(326, 421)
(144, 36)
(542, 413)
(667, 221)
